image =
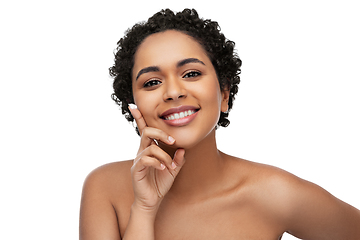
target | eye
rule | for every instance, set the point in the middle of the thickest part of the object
(151, 83)
(192, 74)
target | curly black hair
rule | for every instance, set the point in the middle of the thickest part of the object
(219, 49)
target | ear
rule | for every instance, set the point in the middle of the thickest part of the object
(225, 100)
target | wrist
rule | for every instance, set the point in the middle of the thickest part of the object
(145, 212)
(141, 224)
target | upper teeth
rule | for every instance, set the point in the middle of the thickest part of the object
(179, 115)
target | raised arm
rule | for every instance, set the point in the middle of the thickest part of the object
(153, 174)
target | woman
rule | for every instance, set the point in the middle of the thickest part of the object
(176, 76)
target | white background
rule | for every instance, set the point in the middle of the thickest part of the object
(297, 107)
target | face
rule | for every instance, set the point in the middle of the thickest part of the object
(176, 89)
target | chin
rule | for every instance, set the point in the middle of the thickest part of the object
(190, 139)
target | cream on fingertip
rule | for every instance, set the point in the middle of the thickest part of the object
(132, 106)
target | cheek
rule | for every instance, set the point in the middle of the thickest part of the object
(210, 94)
(146, 104)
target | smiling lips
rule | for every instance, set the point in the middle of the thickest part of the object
(179, 116)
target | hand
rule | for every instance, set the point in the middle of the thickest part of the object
(153, 171)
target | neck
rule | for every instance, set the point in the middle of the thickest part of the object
(202, 172)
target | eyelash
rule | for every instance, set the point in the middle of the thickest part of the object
(150, 83)
(154, 82)
(196, 73)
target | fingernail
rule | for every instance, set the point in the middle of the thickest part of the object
(173, 165)
(171, 139)
(162, 166)
(132, 106)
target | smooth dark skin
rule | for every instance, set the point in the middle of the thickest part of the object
(198, 192)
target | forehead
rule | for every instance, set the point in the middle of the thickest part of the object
(166, 49)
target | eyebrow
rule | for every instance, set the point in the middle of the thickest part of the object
(178, 65)
(187, 61)
(148, 69)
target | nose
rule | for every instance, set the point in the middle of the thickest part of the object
(174, 90)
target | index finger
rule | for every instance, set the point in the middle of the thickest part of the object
(139, 119)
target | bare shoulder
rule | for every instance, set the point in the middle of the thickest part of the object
(266, 184)
(110, 170)
(109, 177)
(303, 208)
(262, 176)
(104, 188)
